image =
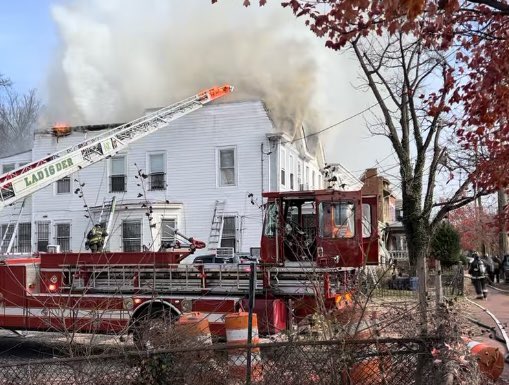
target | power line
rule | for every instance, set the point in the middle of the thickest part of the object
(338, 123)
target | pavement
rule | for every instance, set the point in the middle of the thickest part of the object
(497, 303)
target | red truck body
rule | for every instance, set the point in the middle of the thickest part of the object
(311, 245)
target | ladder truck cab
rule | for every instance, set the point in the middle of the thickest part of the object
(327, 228)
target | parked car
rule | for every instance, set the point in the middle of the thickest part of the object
(212, 258)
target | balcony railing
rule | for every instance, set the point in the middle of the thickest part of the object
(399, 255)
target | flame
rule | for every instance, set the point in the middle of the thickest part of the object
(61, 129)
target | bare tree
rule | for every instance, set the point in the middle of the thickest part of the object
(412, 84)
(18, 113)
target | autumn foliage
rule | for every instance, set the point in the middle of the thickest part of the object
(476, 227)
(474, 37)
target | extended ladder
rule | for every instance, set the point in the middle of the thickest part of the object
(216, 229)
(25, 180)
(106, 216)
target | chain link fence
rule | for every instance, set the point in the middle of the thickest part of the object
(389, 285)
(364, 362)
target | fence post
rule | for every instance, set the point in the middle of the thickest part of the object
(252, 278)
(438, 283)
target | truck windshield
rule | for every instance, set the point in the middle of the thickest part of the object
(337, 220)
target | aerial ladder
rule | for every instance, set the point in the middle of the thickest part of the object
(23, 181)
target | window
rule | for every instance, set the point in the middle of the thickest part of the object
(366, 220)
(64, 185)
(7, 231)
(157, 172)
(227, 167)
(270, 220)
(306, 178)
(118, 174)
(42, 236)
(291, 170)
(320, 184)
(63, 236)
(283, 167)
(8, 167)
(337, 220)
(313, 180)
(131, 235)
(299, 176)
(229, 232)
(167, 232)
(24, 237)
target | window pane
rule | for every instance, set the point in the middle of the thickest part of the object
(366, 220)
(157, 181)
(42, 236)
(157, 163)
(118, 165)
(167, 233)
(337, 220)
(227, 167)
(7, 233)
(117, 183)
(270, 220)
(229, 232)
(64, 185)
(227, 158)
(131, 235)
(8, 167)
(24, 237)
(227, 177)
(63, 236)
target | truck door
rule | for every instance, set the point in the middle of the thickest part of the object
(370, 236)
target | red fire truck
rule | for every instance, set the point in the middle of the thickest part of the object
(311, 245)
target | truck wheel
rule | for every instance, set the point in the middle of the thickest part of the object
(153, 330)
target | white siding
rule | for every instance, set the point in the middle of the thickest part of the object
(190, 145)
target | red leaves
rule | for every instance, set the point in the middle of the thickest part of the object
(477, 83)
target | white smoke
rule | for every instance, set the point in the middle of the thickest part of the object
(119, 57)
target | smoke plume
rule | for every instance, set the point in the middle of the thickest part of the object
(119, 57)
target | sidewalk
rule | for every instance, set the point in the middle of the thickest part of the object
(498, 304)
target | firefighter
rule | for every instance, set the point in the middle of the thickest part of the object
(477, 271)
(96, 237)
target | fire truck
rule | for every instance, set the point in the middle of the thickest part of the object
(311, 245)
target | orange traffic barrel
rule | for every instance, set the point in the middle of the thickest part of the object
(193, 326)
(489, 358)
(236, 325)
(371, 371)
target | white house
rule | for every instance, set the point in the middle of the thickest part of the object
(222, 157)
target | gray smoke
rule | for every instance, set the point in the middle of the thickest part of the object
(119, 57)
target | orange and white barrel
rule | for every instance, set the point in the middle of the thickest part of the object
(236, 325)
(194, 327)
(490, 359)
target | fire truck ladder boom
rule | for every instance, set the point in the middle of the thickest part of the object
(25, 180)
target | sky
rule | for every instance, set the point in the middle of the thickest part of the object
(96, 61)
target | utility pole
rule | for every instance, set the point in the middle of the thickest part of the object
(502, 236)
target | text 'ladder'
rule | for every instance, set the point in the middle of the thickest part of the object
(216, 230)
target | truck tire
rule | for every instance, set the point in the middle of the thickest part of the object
(152, 329)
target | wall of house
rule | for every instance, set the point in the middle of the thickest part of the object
(190, 148)
(9, 215)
